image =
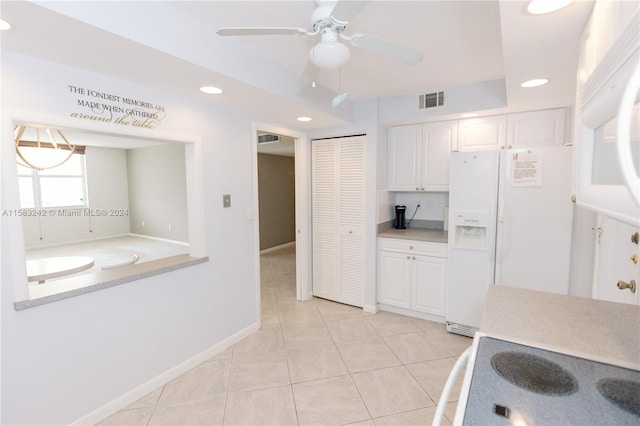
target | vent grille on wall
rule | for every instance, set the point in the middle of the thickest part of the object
(268, 138)
(431, 100)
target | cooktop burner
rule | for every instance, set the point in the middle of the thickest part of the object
(622, 393)
(533, 373)
(513, 383)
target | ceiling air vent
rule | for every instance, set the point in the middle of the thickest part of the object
(268, 138)
(431, 100)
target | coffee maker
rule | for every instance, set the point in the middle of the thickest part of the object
(400, 223)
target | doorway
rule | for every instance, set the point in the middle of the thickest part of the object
(294, 145)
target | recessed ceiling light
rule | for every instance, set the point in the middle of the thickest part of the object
(540, 7)
(469, 115)
(4, 25)
(535, 82)
(304, 118)
(210, 90)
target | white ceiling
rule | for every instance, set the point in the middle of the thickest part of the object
(464, 42)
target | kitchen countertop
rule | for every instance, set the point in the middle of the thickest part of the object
(419, 234)
(594, 329)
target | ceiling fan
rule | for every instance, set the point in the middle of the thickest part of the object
(329, 19)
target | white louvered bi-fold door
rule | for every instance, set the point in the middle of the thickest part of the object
(338, 219)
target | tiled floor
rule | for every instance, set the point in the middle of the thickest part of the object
(315, 362)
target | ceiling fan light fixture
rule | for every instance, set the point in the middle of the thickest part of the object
(4, 25)
(541, 7)
(534, 83)
(329, 54)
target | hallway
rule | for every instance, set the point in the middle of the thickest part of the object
(315, 362)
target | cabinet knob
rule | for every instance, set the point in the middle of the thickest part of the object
(414, 258)
(351, 232)
(408, 257)
(417, 189)
(422, 189)
(410, 247)
(635, 238)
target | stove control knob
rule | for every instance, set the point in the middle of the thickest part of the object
(630, 285)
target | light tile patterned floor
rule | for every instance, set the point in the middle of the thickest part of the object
(311, 363)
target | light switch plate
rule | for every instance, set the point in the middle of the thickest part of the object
(226, 200)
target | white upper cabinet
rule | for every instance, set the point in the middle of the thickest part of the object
(536, 129)
(419, 156)
(438, 141)
(405, 150)
(522, 130)
(483, 133)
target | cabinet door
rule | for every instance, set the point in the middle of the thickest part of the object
(405, 145)
(325, 218)
(394, 279)
(484, 133)
(438, 140)
(351, 221)
(429, 284)
(535, 129)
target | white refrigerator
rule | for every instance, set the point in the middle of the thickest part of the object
(510, 223)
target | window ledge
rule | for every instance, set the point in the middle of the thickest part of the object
(87, 283)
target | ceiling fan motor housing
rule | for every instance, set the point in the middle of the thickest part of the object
(321, 16)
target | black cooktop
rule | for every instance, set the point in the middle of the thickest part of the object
(514, 383)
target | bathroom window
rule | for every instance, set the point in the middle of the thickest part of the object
(60, 186)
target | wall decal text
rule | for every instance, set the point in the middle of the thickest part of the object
(106, 107)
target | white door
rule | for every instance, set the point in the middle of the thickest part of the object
(470, 271)
(430, 277)
(536, 128)
(351, 220)
(535, 219)
(482, 133)
(438, 140)
(394, 279)
(616, 260)
(338, 182)
(405, 145)
(325, 218)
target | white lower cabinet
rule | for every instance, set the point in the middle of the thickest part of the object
(412, 275)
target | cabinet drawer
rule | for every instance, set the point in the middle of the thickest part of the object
(413, 246)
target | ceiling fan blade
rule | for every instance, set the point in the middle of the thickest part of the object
(387, 48)
(346, 10)
(257, 31)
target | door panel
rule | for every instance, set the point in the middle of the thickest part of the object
(395, 279)
(613, 262)
(430, 276)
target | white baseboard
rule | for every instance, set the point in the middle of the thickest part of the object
(280, 247)
(412, 313)
(164, 240)
(372, 309)
(138, 392)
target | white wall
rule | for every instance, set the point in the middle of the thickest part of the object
(106, 172)
(158, 192)
(62, 360)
